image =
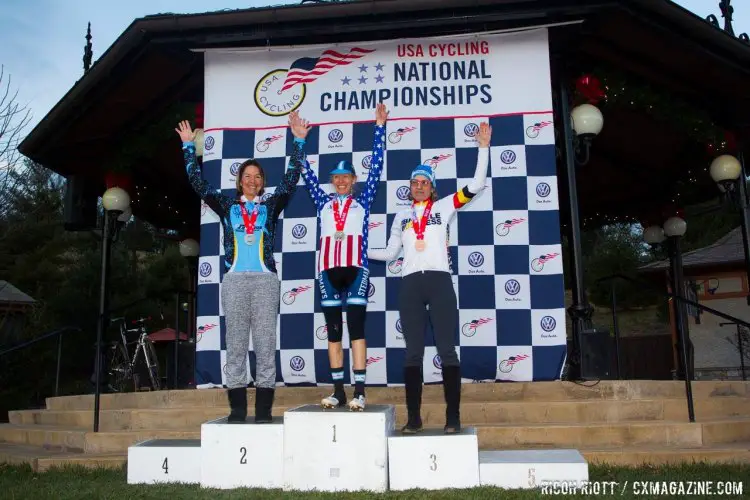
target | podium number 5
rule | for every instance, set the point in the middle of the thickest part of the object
(243, 460)
(165, 466)
(433, 466)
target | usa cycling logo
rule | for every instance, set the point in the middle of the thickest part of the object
(289, 297)
(476, 259)
(335, 136)
(471, 129)
(403, 193)
(470, 329)
(434, 161)
(297, 363)
(299, 231)
(234, 168)
(437, 362)
(263, 145)
(366, 162)
(543, 190)
(506, 365)
(503, 229)
(208, 144)
(537, 264)
(508, 156)
(205, 269)
(203, 329)
(512, 287)
(395, 266)
(533, 131)
(395, 137)
(548, 323)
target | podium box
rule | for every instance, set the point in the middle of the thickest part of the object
(433, 460)
(240, 455)
(164, 461)
(337, 449)
(531, 468)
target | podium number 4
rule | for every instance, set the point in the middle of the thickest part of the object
(433, 465)
(165, 466)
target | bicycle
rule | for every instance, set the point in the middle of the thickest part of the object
(122, 368)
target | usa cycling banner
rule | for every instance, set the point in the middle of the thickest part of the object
(504, 246)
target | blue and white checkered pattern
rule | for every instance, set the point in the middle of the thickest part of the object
(504, 247)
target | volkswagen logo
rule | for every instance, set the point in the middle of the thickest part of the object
(398, 326)
(543, 190)
(265, 196)
(508, 156)
(208, 145)
(335, 135)
(548, 323)
(476, 259)
(299, 231)
(436, 362)
(205, 269)
(366, 161)
(297, 363)
(370, 290)
(512, 287)
(403, 193)
(234, 168)
(471, 129)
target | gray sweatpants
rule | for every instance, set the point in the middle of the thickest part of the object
(251, 303)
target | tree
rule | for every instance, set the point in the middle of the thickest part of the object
(13, 120)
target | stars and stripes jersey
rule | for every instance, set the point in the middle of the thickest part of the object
(352, 250)
(435, 255)
(238, 254)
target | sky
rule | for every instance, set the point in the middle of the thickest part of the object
(42, 41)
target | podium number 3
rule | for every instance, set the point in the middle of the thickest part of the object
(165, 466)
(243, 460)
(433, 465)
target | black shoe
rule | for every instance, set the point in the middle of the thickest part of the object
(237, 405)
(413, 389)
(452, 391)
(263, 404)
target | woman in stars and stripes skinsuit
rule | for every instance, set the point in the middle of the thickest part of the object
(342, 268)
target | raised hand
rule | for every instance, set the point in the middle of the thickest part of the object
(298, 126)
(186, 133)
(381, 114)
(484, 135)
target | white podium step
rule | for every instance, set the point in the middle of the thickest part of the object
(164, 461)
(240, 455)
(337, 450)
(514, 469)
(433, 460)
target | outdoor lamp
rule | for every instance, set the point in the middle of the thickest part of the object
(199, 141)
(725, 170)
(653, 235)
(587, 120)
(116, 199)
(675, 226)
(189, 248)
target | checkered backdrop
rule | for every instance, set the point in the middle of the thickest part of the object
(504, 248)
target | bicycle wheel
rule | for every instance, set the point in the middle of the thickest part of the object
(120, 372)
(152, 363)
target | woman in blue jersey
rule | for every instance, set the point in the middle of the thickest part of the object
(343, 274)
(250, 287)
(426, 288)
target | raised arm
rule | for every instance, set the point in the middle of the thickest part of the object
(477, 184)
(288, 185)
(378, 157)
(393, 248)
(213, 198)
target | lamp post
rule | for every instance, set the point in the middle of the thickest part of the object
(580, 126)
(190, 249)
(116, 202)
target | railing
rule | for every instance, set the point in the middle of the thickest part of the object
(678, 297)
(59, 333)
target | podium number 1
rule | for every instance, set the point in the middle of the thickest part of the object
(334, 433)
(165, 466)
(433, 465)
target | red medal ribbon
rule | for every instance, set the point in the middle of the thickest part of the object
(419, 226)
(341, 219)
(249, 221)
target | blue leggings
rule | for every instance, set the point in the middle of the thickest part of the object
(339, 285)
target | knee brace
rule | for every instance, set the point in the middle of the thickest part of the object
(355, 315)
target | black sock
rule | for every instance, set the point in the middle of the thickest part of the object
(359, 382)
(337, 374)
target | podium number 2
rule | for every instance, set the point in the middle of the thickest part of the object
(334, 433)
(165, 466)
(243, 460)
(433, 465)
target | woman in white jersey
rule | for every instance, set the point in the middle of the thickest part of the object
(422, 230)
(343, 272)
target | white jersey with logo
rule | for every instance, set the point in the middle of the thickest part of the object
(434, 257)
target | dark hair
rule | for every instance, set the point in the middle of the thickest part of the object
(252, 162)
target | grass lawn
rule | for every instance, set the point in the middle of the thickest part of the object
(17, 482)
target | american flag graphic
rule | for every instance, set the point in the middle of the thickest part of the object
(515, 359)
(373, 359)
(545, 258)
(433, 162)
(296, 291)
(309, 69)
(405, 130)
(478, 322)
(540, 125)
(512, 222)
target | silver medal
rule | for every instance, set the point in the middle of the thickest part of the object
(249, 239)
(339, 236)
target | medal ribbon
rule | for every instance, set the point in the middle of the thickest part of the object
(341, 219)
(249, 221)
(420, 225)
